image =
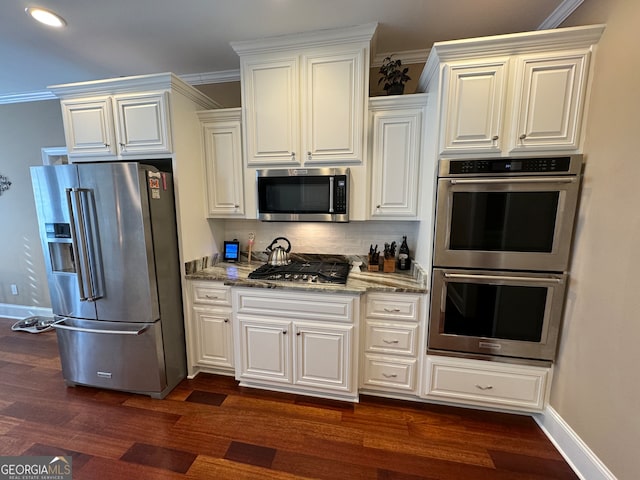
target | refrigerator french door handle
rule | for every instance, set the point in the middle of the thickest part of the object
(86, 244)
(60, 325)
(74, 241)
(485, 181)
(464, 276)
(87, 293)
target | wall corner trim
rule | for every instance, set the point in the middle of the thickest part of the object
(578, 455)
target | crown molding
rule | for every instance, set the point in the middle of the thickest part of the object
(358, 33)
(27, 97)
(560, 14)
(407, 57)
(206, 78)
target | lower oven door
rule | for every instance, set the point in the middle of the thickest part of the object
(496, 313)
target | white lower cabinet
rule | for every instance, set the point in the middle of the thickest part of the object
(392, 343)
(297, 342)
(487, 384)
(208, 329)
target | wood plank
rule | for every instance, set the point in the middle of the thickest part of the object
(211, 428)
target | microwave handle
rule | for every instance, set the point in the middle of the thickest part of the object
(465, 276)
(461, 181)
(331, 181)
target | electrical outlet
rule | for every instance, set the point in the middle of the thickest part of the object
(14, 289)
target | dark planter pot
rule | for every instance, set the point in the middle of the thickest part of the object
(396, 89)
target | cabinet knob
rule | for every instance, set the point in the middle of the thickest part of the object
(107, 145)
(298, 334)
(308, 155)
(523, 136)
(293, 155)
(378, 207)
(284, 332)
(237, 206)
(226, 320)
(122, 144)
(495, 138)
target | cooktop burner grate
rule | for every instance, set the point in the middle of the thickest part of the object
(315, 272)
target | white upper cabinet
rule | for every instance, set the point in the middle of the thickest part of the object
(396, 125)
(304, 97)
(271, 106)
(474, 99)
(514, 93)
(124, 125)
(222, 143)
(129, 118)
(549, 101)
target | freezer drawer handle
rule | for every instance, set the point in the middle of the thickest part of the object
(62, 326)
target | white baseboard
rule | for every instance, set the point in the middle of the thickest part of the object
(578, 455)
(23, 311)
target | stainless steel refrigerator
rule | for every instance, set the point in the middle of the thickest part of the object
(109, 238)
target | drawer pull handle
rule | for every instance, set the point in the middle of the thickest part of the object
(390, 342)
(389, 375)
(211, 297)
(484, 387)
(394, 310)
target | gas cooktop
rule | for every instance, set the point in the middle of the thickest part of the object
(313, 272)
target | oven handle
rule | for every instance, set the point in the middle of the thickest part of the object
(466, 276)
(461, 181)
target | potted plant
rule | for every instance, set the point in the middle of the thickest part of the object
(393, 76)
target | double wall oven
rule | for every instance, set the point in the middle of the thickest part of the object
(503, 234)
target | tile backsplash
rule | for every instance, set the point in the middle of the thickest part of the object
(351, 238)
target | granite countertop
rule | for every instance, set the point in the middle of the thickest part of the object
(237, 275)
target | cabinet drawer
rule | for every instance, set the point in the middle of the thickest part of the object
(391, 338)
(487, 383)
(389, 373)
(325, 307)
(397, 306)
(210, 293)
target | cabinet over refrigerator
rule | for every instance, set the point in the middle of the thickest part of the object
(109, 239)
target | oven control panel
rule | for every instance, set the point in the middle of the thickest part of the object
(562, 165)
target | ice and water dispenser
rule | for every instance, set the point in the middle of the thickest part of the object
(60, 247)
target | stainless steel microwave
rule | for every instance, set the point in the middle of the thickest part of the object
(303, 195)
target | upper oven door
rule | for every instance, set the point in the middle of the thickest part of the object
(515, 223)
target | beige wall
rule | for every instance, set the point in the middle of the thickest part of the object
(24, 129)
(596, 387)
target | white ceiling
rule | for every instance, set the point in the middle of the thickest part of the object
(112, 38)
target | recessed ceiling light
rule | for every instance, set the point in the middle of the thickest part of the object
(46, 16)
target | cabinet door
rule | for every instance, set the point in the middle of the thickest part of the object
(224, 167)
(143, 123)
(333, 107)
(214, 337)
(549, 100)
(88, 126)
(323, 356)
(265, 350)
(474, 107)
(395, 160)
(270, 99)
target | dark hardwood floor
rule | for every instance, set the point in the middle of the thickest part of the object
(209, 428)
